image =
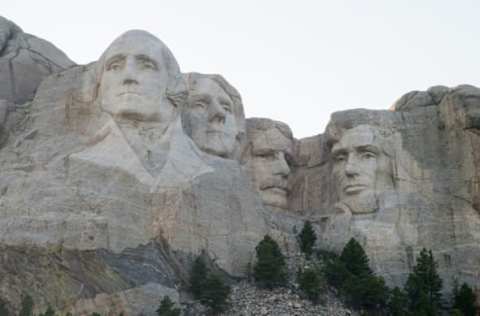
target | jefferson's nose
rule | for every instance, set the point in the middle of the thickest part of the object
(216, 113)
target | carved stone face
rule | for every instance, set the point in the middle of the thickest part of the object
(135, 78)
(361, 168)
(209, 117)
(269, 165)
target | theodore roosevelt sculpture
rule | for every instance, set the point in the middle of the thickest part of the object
(214, 116)
(270, 146)
(362, 168)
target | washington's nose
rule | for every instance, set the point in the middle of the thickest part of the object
(216, 113)
(130, 77)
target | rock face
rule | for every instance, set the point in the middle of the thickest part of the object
(24, 61)
(399, 181)
(118, 173)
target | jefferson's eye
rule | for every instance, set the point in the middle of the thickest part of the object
(226, 107)
(200, 105)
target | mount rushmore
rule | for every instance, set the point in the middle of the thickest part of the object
(115, 174)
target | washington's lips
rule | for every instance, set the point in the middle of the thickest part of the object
(354, 188)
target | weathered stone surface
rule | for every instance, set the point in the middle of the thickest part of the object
(25, 61)
(117, 173)
(214, 117)
(413, 188)
(268, 155)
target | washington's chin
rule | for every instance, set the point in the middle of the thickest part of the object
(275, 197)
(137, 111)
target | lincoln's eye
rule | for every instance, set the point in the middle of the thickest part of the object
(200, 105)
(368, 155)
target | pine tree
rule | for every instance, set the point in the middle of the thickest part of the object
(49, 312)
(424, 285)
(355, 259)
(464, 300)
(398, 303)
(307, 239)
(310, 283)
(198, 275)
(215, 294)
(167, 308)
(270, 268)
(26, 306)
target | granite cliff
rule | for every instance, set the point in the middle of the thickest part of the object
(116, 174)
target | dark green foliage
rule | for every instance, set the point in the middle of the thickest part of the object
(456, 312)
(270, 269)
(207, 287)
(215, 294)
(398, 303)
(307, 239)
(198, 275)
(336, 272)
(464, 300)
(3, 308)
(355, 259)
(96, 314)
(352, 276)
(167, 308)
(311, 283)
(26, 306)
(424, 285)
(48, 312)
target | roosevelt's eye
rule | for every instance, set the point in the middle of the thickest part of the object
(340, 158)
(200, 105)
(266, 156)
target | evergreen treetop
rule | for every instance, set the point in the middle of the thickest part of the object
(167, 308)
(307, 239)
(270, 268)
(355, 259)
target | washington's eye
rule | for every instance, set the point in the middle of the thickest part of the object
(146, 63)
(116, 65)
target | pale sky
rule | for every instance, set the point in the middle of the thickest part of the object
(293, 61)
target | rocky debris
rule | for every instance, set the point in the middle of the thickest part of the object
(248, 300)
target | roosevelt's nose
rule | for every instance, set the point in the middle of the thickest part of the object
(216, 113)
(281, 166)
